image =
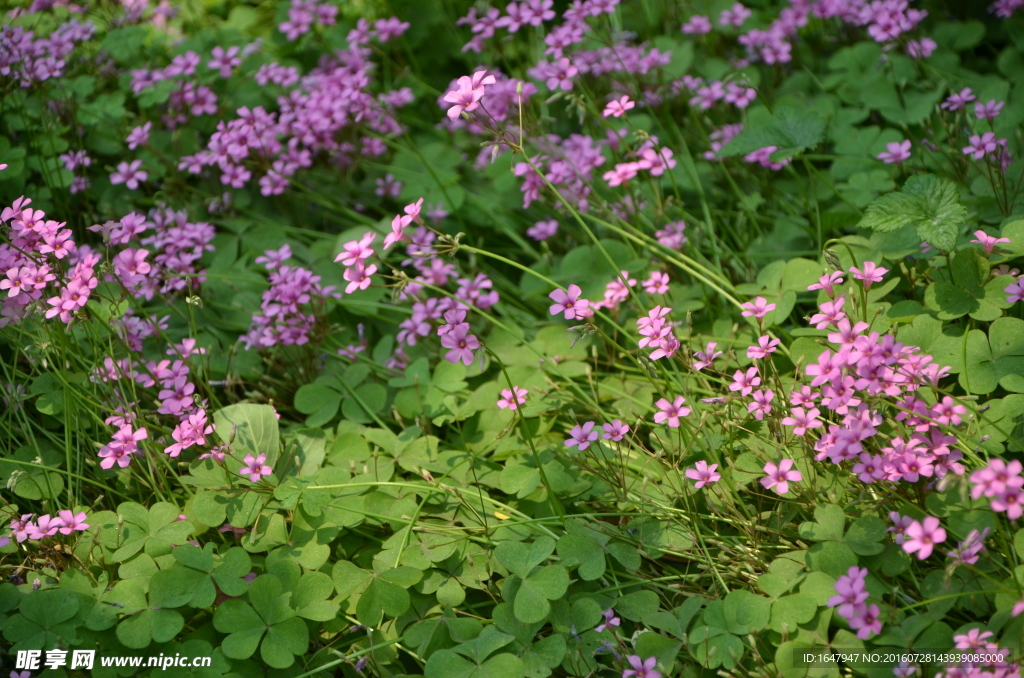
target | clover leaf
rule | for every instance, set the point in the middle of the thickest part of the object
(267, 616)
(45, 620)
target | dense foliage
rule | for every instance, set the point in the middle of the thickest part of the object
(643, 339)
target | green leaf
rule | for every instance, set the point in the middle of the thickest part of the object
(927, 201)
(249, 427)
(583, 553)
(484, 645)
(313, 397)
(790, 611)
(829, 522)
(148, 626)
(381, 597)
(45, 619)
(283, 642)
(790, 129)
(520, 559)
(310, 597)
(714, 647)
(831, 557)
(746, 612)
(447, 664)
(635, 606)
(548, 583)
(864, 535)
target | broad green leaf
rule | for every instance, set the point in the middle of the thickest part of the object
(520, 559)
(249, 427)
(583, 553)
(791, 130)
(746, 612)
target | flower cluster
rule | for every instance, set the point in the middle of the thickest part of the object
(851, 600)
(45, 526)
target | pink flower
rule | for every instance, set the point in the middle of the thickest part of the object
(512, 398)
(851, 593)
(921, 538)
(697, 25)
(671, 411)
(580, 437)
(398, 226)
(765, 347)
(895, 152)
(900, 525)
(703, 474)
(614, 430)
(139, 136)
(867, 623)
(467, 96)
(827, 282)
(641, 668)
(623, 172)
(461, 344)
(757, 308)
(762, 403)
(987, 241)
(779, 477)
(745, 382)
(872, 273)
(707, 356)
(983, 144)
(1015, 290)
(358, 277)
(255, 467)
(988, 111)
(609, 620)
(569, 303)
(657, 283)
(72, 522)
(656, 161)
(542, 230)
(129, 174)
(734, 16)
(959, 100)
(356, 251)
(618, 107)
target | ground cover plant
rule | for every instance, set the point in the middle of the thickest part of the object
(580, 339)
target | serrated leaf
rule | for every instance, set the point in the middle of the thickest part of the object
(791, 130)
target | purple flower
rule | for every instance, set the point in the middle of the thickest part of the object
(703, 474)
(987, 241)
(758, 308)
(697, 25)
(461, 344)
(609, 620)
(614, 430)
(581, 436)
(642, 668)
(988, 111)
(512, 398)
(895, 152)
(982, 145)
(872, 273)
(617, 107)
(735, 16)
(129, 174)
(779, 477)
(959, 100)
(851, 593)
(72, 522)
(139, 136)
(671, 412)
(921, 537)
(542, 230)
(255, 467)
(1015, 290)
(467, 97)
(568, 302)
